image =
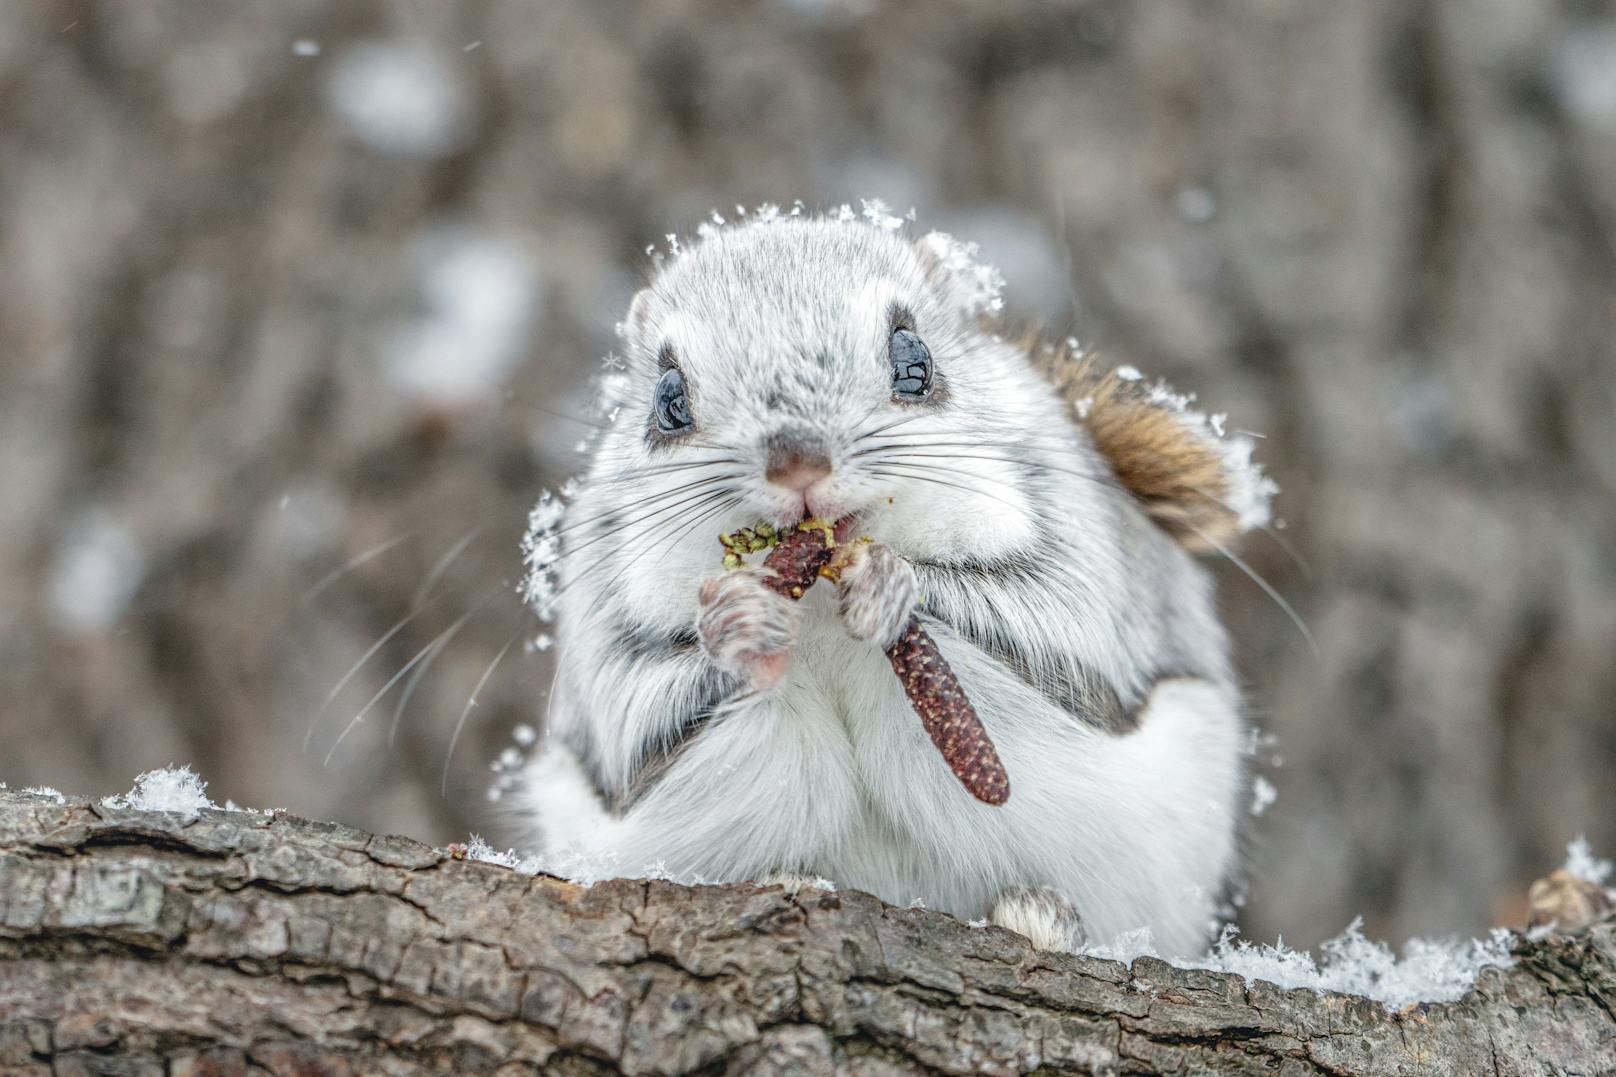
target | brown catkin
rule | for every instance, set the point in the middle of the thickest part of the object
(931, 686)
(948, 716)
(795, 563)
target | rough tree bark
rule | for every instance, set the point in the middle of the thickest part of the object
(136, 942)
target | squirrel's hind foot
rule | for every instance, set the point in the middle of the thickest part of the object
(1042, 914)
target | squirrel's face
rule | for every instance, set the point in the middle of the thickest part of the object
(816, 368)
(795, 423)
(803, 458)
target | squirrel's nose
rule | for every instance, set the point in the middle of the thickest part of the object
(796, 469)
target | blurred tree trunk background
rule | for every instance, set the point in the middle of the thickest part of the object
(285, 284)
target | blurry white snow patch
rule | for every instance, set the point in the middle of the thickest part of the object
(1583, 74)
(478, 296)
(1580, 863)
(171, 789)
(1194, 204)
(1424, 411)
(401, 99)
(1263, 794)
(308, 518)
(97, 568)
(1428, 970)
(44, 791)
(304, 46)
(509, 765)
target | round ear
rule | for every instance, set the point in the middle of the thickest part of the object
(970, 286)
(1196, 483)
(639, 333)
(635, 325)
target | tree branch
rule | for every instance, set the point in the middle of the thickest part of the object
(133, 942)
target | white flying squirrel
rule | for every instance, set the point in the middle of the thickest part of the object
(1039, 516)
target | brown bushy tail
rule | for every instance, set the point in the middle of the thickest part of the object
(1194, 482)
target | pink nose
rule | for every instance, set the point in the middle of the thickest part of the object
(795, 470)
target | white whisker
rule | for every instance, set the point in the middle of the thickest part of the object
(921, 473)
(1279, 540)
(409, 691)
(442, 638)
(443, 563)
(697, 500)
(348, 566)
(471, 702)
(319, 715)
(1268, 588)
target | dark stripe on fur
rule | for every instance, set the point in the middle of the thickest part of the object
(1083, 693)
(655, 759)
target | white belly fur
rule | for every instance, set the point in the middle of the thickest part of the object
(833, 775)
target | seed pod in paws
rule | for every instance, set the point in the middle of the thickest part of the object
(947, 715)
(933, 690)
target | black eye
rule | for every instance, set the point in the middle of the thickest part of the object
(911, 365)
(671, 404)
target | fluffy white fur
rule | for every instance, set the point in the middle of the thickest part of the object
(1042, 582)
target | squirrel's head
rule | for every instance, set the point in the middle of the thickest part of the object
(824, 367)
(797, 367)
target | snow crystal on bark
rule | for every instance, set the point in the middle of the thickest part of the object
(172, 789)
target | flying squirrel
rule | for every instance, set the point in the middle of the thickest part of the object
(1040, 516)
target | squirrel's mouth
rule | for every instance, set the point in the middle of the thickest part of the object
(835, 497)
(808, 505)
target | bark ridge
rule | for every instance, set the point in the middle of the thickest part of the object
(136, 942)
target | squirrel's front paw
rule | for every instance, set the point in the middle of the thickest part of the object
(746, 628)
(877, 592)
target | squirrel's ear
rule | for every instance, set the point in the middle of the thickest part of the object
(1196, 483)
(635, 324)
(970, 286)
(637, 331)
